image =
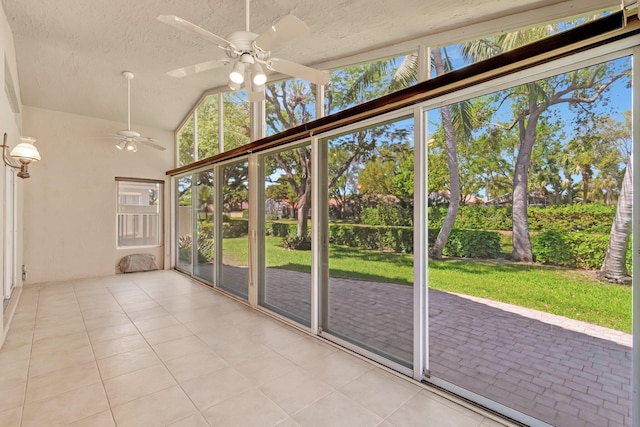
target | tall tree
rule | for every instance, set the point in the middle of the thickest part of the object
(614, 266)
(290, 103)
(452, 162)
(528, 104)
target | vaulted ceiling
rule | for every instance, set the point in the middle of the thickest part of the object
(70, 53)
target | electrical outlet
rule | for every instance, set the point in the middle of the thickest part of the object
(24, 273)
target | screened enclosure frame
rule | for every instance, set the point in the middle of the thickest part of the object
(563, 53)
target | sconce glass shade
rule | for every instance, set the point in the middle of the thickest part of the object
(237, 74)
(26, 152)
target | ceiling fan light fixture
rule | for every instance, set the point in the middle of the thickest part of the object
(120, 145)
(130, 146)
(233, 85)
(257, 75)
(237, 74)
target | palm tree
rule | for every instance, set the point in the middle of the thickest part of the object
(452, 162)
(456, 119)
(528, 103)
(614, 266)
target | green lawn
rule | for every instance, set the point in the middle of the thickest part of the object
(570, 293)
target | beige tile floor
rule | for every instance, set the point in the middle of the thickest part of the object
(157, 349)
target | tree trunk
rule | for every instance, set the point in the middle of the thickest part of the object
(452, 161)
(304, 205)
(585, 185)
(521, 240)
(614, 267)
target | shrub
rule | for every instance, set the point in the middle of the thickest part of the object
(387, 215)
(397, 239)
(580, 250)
(206, 249)
(235, 228)
(297, 243)
(591, 217)
(551, 248)
(184, 255)
(462, 243)
(588, 249)
(283, 229)
(205, 230)
(469, 243)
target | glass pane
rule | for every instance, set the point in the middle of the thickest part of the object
(235, 228)
(208, 127)
(370, 285)
(289, 103)
(355, 84)
(287, 284)
(184, 226)
(548, 339)
(237, 119)
(138, 214)
(186, 154)
(138, 230)
(456, 56)
(204, 212)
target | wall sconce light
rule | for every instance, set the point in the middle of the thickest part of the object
(23, 153)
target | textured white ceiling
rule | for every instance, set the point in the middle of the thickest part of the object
(71, 53)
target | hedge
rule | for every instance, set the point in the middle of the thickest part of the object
(236, 227)
(469, 243)
(579, 250)
(282, 229)
(591, 217)
(396, 239)
(461, 243)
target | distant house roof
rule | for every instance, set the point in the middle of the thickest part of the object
(535, 198)
(442, 197)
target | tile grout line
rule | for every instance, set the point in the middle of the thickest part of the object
(95, 360)
(256, 388)
(33, 333)
(157, 355)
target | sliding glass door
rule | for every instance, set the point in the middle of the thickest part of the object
(234, 273)
(204, 217)
(286, 287)
(368, 298)
(184, 224)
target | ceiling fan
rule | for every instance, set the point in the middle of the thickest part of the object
(249, 52)
(129, 139)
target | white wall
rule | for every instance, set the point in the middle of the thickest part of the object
(70, 199)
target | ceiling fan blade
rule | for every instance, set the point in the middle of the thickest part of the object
(255, 94)
(300, 71)
(187, 26)
(150, 142)
(193, 69)
(285, 29)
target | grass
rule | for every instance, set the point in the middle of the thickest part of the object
(574, 294)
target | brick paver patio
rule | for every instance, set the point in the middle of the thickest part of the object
(563, 372)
